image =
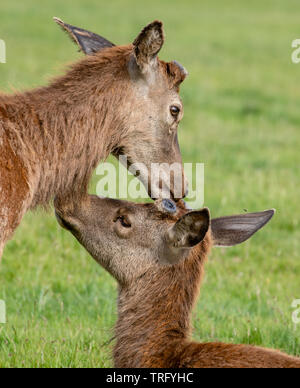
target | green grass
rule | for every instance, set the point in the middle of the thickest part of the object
(241, 119)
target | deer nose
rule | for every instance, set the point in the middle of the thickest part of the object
(169, 205)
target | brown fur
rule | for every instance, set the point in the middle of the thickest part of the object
(154, 324)
(155, 302)
(52, 138)
(51, 135)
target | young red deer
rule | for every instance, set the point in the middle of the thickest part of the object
(118, 99)
(132, 241)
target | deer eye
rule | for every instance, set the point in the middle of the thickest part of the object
(124, 222)
(174, 110)
(169, 206)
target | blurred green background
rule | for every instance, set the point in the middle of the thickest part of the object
(241, 119)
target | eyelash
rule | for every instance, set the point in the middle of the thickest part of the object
(123, 223)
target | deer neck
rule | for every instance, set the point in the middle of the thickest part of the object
(61, 132)
(154, 321)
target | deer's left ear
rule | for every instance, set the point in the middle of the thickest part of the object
(88, 42)
(189, 230)
(148, 44)
(233, 230)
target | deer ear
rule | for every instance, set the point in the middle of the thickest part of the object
(189, 230)
(88, 42)
(233, 230)
(148, 44)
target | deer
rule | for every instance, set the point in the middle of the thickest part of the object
(157, 252)
(119, 100)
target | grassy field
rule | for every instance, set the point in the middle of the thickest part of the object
(242, 120)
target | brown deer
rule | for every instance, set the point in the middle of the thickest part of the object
(118, 99)
(157, 254)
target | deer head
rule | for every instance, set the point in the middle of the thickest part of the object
(127, 238)
(153, 111)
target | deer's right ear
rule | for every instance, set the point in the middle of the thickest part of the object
(88, 42)
(233, 230)
(189, 230)
(148, 44)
